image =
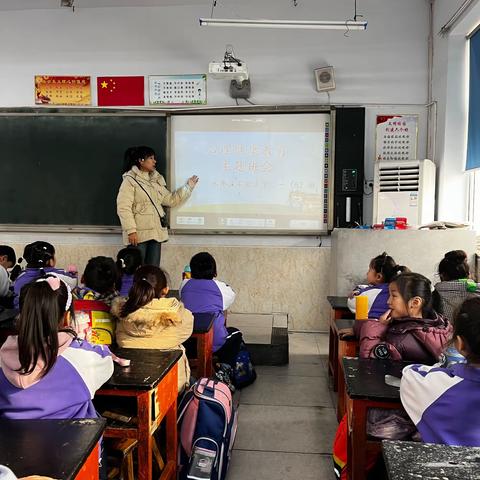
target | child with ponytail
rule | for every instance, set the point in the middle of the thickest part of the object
(147, 319)
(40, 258)
(46, 372)
(442, 401)
(381, 270)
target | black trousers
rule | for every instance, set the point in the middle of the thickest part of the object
(229, 350)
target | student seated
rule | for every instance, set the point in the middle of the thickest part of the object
(40, 257)
(147, 319)
(128, 260)
(101, 279)
(94, 299)
(203, 293)
(455, 285)
(443, 402)
(46, 372)
(7, 261)
(410, 330)
(381, 270)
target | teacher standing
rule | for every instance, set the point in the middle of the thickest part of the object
(140, 201)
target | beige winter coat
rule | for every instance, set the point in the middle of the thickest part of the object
(162, 324)
(135, 210)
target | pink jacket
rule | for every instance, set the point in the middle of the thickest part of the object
(418, 340)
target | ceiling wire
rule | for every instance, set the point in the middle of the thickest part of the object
(214, 4)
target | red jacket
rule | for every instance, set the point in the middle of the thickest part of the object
(419, 340)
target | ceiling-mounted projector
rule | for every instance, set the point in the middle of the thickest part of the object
(228, 70)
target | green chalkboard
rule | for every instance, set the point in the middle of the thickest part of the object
(61, 169)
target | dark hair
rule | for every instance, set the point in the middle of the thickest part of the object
(41, 312)
(9, 252)
(38, 254)
(133, 155)
(129, 259)
(387, 267)
(148, 283)
(412, 285)
(101, 274)
(454, 266)
(466, 324)
(203, 266)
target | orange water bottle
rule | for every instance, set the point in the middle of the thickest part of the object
(361, 307)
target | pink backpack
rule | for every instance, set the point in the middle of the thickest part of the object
(207, 428)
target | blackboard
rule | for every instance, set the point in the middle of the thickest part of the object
(58, 169)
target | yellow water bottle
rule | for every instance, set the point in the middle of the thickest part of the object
(361, 307)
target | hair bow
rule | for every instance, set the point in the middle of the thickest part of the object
(54, 283)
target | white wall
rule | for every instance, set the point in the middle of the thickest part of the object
(385, 64)
(450, 90)
(384, 67)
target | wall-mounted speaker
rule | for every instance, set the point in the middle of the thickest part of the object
(325, 79)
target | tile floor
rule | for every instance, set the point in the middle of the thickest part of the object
(286, 418)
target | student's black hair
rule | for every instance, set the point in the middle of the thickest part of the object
(9, 252)
(101, 274)
(387, 267)
(38, 254)
(454, 266)
(42, 311)
(412, 285)
(129, 259)
(133, 155)
(203, 266)
(466, 324)
(148, 283)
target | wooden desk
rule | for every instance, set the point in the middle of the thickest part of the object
(366, 388)
(203, 334)
(409, 460)
(338, 311)
(151, 380)
(344, 348)
(63, 449)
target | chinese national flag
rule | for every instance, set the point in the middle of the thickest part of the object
(120, 91)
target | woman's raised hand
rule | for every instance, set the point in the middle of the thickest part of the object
(192, 181)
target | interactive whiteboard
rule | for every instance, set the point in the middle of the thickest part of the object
(258, 172)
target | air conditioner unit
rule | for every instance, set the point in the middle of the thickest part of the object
(404, 188)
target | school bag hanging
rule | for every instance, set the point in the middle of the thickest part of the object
(94, 321)
(207, 425)
(243, 372)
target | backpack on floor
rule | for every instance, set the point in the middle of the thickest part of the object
(207, 425)
(243, 373)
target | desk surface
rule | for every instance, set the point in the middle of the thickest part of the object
(338, 302)
(52, 448)
(146, 370)
(202, 322)
(365, 378)
(409, 460)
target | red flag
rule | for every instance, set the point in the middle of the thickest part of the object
(120, 91)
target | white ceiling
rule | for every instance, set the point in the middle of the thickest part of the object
(48, 4)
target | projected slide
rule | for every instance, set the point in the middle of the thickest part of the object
(257, 172)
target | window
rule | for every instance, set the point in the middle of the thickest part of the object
(473, 145)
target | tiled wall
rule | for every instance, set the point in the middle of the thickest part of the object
(292, 280)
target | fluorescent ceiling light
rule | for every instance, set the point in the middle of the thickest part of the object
(320, 24)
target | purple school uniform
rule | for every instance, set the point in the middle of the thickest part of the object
(127, 282)
(29, 275)
(202, 296)
(443, 403)
(65, 392)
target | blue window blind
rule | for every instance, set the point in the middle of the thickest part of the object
(473, 145)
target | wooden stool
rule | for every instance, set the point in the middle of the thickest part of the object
(124, 448)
